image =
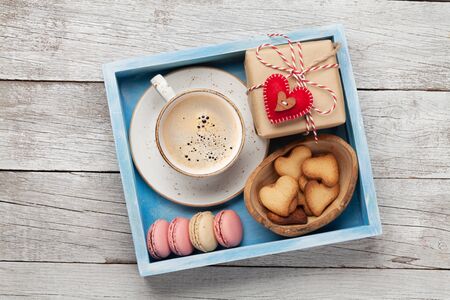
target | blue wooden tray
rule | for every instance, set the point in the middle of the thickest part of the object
(127, 80)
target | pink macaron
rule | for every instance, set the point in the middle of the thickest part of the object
(178, 237)
(157, 242)
(228, 228)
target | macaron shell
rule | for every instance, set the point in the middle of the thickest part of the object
(201, 231)
(157, 242)
(178, 237)
(192, 234)
(228, 228)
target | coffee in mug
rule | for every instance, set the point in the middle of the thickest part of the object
(200, 132)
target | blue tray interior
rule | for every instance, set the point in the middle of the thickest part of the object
(152, 206)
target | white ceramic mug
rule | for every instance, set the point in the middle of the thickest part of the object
(199, 132)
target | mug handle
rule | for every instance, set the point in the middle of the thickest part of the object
(162, 87)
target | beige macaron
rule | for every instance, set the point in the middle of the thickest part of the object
(201, 231)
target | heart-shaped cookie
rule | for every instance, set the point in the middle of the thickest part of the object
(302, 181)
(293, 206)
(319, 196)
(324, 168)
(292, 165)
(301, 201)
(297, 102)
(278, 197)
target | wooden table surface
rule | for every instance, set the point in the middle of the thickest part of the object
(64, 230)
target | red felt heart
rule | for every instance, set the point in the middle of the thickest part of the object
(276, 89)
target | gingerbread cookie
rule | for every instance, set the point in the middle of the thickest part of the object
(324, 168)
(319, 196)
(292, 165)
(279, 196)
(297, 217)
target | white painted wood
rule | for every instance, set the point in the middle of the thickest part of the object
(87, 281)
(66, 126)
(81, 217)
(85, 214)
(393, 44)
(52, 126)
(408, 133)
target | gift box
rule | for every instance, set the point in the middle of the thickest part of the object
(313, 54)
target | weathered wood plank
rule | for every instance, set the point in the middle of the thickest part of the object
(66, 126)
(53, 126)
(81, 217)
(395, 45)
(408, 133)
(64, 217)
(85, 281)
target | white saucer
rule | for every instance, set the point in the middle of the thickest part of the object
(181, 188)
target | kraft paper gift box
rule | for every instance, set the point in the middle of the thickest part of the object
(257, 73)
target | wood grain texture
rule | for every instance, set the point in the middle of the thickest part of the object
(75, 281)
(52, 126)
(393, 44)
(85, 214)
(81, 217)
(66, 126)
(408, 133)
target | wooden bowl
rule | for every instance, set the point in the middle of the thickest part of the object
(265, 174)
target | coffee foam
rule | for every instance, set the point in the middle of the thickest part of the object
(201, 133)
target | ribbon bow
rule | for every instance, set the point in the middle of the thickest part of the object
(298, 73)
